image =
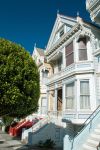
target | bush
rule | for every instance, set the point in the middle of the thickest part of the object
(47, 144)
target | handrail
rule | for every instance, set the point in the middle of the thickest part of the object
(40, 124)
(88, 122)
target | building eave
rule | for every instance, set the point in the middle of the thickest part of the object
(63, 39)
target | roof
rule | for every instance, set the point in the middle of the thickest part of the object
(75, 19)
(40, 51)
(68, 17)
(92, 24)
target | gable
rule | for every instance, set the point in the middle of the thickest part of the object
(62, 25)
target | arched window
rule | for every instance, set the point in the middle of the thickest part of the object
(82, 46)
(69, 54)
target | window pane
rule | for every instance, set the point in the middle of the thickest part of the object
(69, 103)
(84, 102)
(84, 87)
(82, 48)
(45, 74)
(70, 96)
(82, 43)
(82, 54)
(69, 54)
(69, 48)
(84, 95)
(70, 90)
(69, 59)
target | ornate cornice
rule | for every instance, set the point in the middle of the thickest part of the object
(63, 39)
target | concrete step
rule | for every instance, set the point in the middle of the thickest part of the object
(95, 137)
(87, 147)
(20, 148)
(92, 142)
(97, 131)
(98, 126)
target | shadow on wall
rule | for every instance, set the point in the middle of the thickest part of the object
(49, 131)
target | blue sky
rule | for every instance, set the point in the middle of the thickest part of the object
(27, 22)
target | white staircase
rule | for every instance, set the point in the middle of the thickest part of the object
(93, 140)
(34, 128)
(88, 137)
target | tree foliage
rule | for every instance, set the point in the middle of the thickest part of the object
(19, 80)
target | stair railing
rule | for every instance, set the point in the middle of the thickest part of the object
(40, 124)
(87, 122)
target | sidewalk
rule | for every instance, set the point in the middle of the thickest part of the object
(9, 143)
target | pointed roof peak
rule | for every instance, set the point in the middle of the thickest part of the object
(77, 13)
(57, 11)
(79, 19)
(34, 45)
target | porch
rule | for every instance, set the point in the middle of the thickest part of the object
(72, 99)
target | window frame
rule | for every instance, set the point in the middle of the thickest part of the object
(70, 53)
(82, 49)
(85, 95)
(70, 97)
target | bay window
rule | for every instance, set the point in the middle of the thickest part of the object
(69, 54)
(70, 96)
(84, 95)
(82, 44)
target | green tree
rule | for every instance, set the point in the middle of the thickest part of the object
(19, 81)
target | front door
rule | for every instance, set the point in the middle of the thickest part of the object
(59, 100)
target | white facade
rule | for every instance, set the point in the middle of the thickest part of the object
(73, 87)
(71, 91)
(93, 7)
(44, 70)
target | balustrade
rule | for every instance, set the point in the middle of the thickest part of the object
(81, 66)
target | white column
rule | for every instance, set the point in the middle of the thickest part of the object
(55, 100)
(47, 101)
(78, 95)
(63, 58)
(89, 51)
(92, 93)
(63, 97)
(76, 58)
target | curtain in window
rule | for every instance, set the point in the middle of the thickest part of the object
(69, 54)
(82, 48)
(70, 96)
(84, 102)
(84, 95)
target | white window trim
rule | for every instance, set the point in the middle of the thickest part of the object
(89, 109)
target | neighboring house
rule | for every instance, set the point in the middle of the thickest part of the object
(93, 7)
(44, 70)
(72, 88)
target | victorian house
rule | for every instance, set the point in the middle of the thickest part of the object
(71, 89)
(70, 84)
(74, 85)
(93, 7)
(44, 71)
